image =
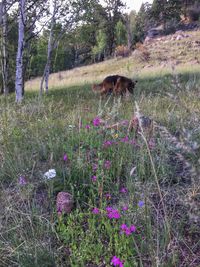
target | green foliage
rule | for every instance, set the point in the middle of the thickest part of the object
(141, 23)
(99, 49)
(163, 10)
(89, 238)
(120, 33)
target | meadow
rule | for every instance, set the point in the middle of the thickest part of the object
(135, 199)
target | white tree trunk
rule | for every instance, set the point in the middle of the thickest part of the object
(4, 51)
(45, 77)
(19, 59)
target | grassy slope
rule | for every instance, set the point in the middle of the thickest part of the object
(35, 135)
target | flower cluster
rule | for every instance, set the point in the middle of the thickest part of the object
(95, 211)
(107, 164)
(127, 230)
(96, 121)
(117, 262)
(22, 180)
(112, 213)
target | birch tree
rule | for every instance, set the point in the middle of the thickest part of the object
(4, 52)
(45, 77)
(67, 15)
(20, 49)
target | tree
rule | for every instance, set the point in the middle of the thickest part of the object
(142, 23)
(112, 15)
(99, 49)
(4, 51)
(20, 50)
(49, 50)
(165, 10)
(120, 33)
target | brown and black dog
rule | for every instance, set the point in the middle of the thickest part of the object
(115, 84)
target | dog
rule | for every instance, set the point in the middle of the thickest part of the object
(116, 84)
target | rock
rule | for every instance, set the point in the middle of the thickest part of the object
(179, 37)
(64, 203)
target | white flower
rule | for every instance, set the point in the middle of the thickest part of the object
(71, 126)
(132, 171)
(50, 174)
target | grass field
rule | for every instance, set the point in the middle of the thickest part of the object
(136, 200)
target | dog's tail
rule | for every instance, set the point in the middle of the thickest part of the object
(97, 87)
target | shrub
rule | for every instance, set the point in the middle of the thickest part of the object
(122, 51)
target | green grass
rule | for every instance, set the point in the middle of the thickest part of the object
(35, 135)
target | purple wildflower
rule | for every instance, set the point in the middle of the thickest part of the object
(96, 121)
(125, 122)
(125, 139)
(95, 211)
(123, 190)
(132, 228)
(128, 230)
(94, 178)
(22, 180)
(125, 208)
(65, 157)
(107, 164)
(108, 196)
(87, 126)
(113, 214)
(123, 227)
(107, 143)
(133, 142)
(117, 262)
(108, 209)
(140, 203)
(94, 167)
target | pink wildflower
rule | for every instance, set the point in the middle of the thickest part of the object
(94, 178)
(107, 164)
(132, 228)
(108, 196)
(65, 157)
(125, 208)
(95, 211)
(125, 122)
(123, 190)
(133, 142)
(107, 143)
(128, 230)
(87, 126)
(113, 213)
(123, 227)
(96, 121)
(125, 139)
(117, 262)
(108, 209)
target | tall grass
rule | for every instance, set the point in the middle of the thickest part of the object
(145, 183)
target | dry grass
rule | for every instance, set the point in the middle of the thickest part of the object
(164, 53)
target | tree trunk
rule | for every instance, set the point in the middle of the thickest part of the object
(4, 51)
(129, 34)
(19, 59)
(45, 77)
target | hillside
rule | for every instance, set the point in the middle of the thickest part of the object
(181, 49)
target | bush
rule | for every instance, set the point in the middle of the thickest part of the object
(122, 51)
